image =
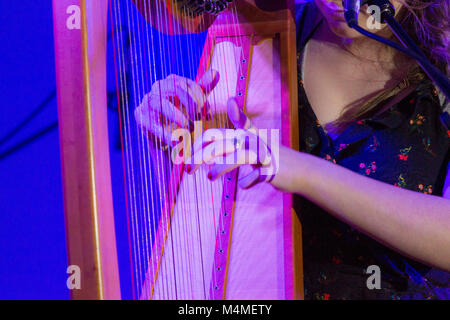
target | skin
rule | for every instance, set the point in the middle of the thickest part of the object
(362, 67)
(390, 215)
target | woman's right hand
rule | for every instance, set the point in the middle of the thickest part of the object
(177, 101)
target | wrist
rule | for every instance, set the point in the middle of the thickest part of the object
(291, 170)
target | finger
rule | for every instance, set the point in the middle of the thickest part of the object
(164, 88)
(195, 159)
(199, 95)
(188, 93)
(144, 117)
(204, 149)
(231, 162)
(209, 80)
(157, 105)
(175, 86)
(150, 122)
(170, 111)
(201, 105)
(207, 83)
(216, 151)
(211, 147)
(217, 170)
(160, 132)
(209, 136)
(192, 97)
(237, 116)
(251, 179)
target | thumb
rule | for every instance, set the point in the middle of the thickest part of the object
(209, 80)
(250, 180)
(237, 116)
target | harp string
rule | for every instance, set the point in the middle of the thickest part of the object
(150, 216)
(231, 19)
(171, 192)
(210, 124)
(148, 177)
(125, 133)
(184, 196)
(184, 213)
(167, 290)
(158, 156)
(137, 83)
(120, 103)
(187, 261)
(221, 121)
(177, 283)
(148, 199)
(140, 175)
(129, 150)
(117, 34)
(199, 183)
(191, 70)
(208, 186)
(182, 232)
(191, 231)
(184, 199)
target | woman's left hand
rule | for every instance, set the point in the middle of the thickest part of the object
(227, 149)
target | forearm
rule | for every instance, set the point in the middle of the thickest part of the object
(415, 224)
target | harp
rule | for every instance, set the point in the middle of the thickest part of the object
(189, 238)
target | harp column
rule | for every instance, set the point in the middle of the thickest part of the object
(80, 31)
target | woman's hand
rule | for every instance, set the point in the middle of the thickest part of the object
(175, 101)
(228, 149)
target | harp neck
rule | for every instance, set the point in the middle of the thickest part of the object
(182, 23)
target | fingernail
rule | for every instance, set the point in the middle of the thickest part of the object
(209, 176)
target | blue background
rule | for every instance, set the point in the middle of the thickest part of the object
(32, 238)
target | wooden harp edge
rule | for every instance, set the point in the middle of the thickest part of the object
(80, 57)
(293, 227)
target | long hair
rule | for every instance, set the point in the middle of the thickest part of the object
(427, 22)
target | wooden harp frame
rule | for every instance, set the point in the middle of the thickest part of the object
(80, 53)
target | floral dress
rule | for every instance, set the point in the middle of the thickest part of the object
(405, 146)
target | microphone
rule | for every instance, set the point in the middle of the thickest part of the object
(351, 11)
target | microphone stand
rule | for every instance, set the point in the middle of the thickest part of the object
(409, 47)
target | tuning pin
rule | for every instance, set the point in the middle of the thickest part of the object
(197, 7)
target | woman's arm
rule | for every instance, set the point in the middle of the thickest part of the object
(412, 223)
